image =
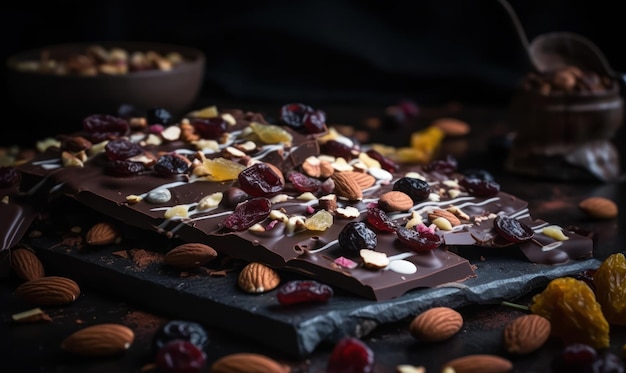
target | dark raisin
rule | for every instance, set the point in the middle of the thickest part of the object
(512, 229)
(587, 277)
(180, 356)
(385, 163)
(209, 128)
(303, 291)
(159, 115)
(101, 127)
(356, 236)
(247, 214)
(124, 168)
(172, 164)
(479, 187)
(443, 166)
(303, 183)
(351, 355)
(417, 189)
(293, 114)
(338, 149)
(260, 180)
(608, 362)
(479, 174)
(419, 240)
(234, 196)
(9, 176)
(378, 219)
(181, 329)
(122, 149)
(314, 121)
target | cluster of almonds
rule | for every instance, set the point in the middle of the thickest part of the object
(569, 79)
(98, 60)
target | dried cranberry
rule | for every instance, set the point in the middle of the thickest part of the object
(209, 128)
(260, 180)
(385, 163)
(356, 236)
(101, 127)
(479, 174)
(159, 115)
(419, 240)
(314, 121)
(417, 189)
(247, 214)
(181, 329)
(512, 229)
(444, 166)
(303, 183)
(574, 358)
(337, 149)
(303, 291)
(378, 219)
(180, 356)
(122, 149)
(9, 176)
(172, 164)
(351, 355)
(293, 114)
(124, 168)
(480, 188)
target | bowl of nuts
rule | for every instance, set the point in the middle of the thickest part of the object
(66, 82)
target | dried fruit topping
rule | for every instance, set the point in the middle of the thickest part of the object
(575, 315)
(209, 128)
(479, 187)
(172, 164)
(101, 127)
(183, 330)
(417, 189)
(303, 291)
(260, 180)
(356, 236)
(121, 149)
(9, 176)
(478, 174)
(180, 356)
(159, 115)
(582, 358)
(610, 285)
(314, 121)
(248, 213)
(303, 183)
(385, 163)
(124, 168)
(378, 219)
(293, 114)
(419, 239)
(444, 166)
(271, 133)
(512, 229)
(351, 355)
(337, 149)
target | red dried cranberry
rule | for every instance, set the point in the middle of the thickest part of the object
(9, 176)
(303, 291)
(101, 127)
(419, 240)
(417, 189)
(181, 329)
(385, 163)
(480, 188)
(314, 121)
(122, 149)
(172, 164)
(444, 166)
(574, 358)
(293, 114)
(512, 229)
(356, 236)
(247, 214)
(209, 128)
(337, 149)
(124, 168)
(260, 180)
(180, 356)
(303, 183)
(378, 219)
(351, 355)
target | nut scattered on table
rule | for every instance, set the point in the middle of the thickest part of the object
(247, 362)
(526, 334)
(190, 255)
(436, 324)
(599, 207)
(257, 278)
(49, 291)
(480, 363)
(99, 340)
(103, 233)
(25, 263)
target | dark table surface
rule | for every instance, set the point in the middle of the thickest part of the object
(36, 347)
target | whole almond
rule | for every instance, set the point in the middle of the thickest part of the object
(190, 255)
(346, 186)
(480, 363)
(257, 278)
(48, 291)
(362, 179)
(25, 263)
(244, 362)
(99, 340)
(525, 334)
(395, 201)
(599, 207)
(436, 324)
(440, 213)
(452, 126)
(103, 233)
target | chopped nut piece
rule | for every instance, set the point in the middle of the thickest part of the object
(32, 315)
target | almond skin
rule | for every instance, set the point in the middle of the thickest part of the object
(49, 291)
(247, 363)
(257, 278)
(599, 207)
(25, 263)
(103, 233)
(452, 126)
(439, 213)
(190, 255)
(436, 324)
(480, 363)
(526, 334)
(346, 186)
(99, 340)
(395, 201)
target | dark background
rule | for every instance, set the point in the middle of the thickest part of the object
(331, 50)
